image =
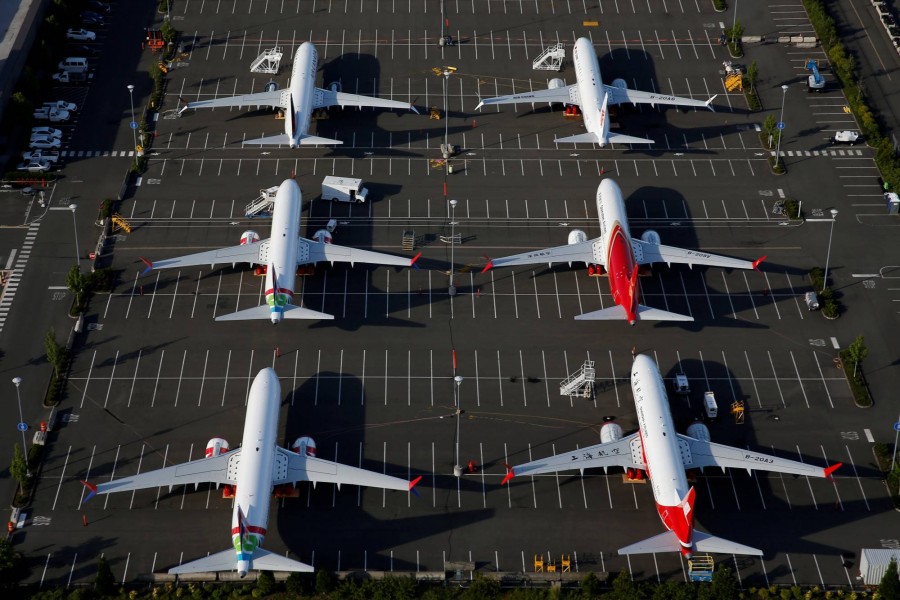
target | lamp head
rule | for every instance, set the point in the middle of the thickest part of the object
(73, 206)
(453, 202)
(834, 213)
(17, 381)
(458, 379)
(784, 88)
(130, 88)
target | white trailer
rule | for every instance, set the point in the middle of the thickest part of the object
(710, 406)
(874, 562)
(343, 189)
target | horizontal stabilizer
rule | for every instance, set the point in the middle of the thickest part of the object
(645, 313)
(265, 312)
(664, 542)
(703, 542)
(314, 140)
(587, 138)
(282, 139)
(618, 138)
(262, 560)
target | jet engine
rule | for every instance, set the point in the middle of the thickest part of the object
(610, 433)
(576, 236)
(272, 86)
(556, 83)
(698, 431)
(215, 447)
(249, 237)
(620, 83)
(651, 237)
(305, 446)
(335, 86)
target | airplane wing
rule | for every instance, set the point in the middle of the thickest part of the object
(323, 98)
(645, 253)
(588, 252)
(619, 95)
(566, 95)
(318, 470)
(255, 253)
(624, 452)
(213, 470)
(709, 454)
(276, 99)
(309, 251)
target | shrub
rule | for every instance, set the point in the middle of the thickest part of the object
(856, 378)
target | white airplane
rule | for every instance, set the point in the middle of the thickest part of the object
(621, 255)
(282, 253)
(255, 468)
(298, 102)
(593, 98)
(665, 454)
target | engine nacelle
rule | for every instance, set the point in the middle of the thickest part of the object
(305, 446)
(610, 433)
(651, 237)
(620, 83)
(335, 86)
(323, 236)
(272, 86)
(249, 237)
(699, 431)
(556, 83)
(576, 236)
(215, 447)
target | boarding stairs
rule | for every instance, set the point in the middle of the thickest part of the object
(262, 206)
(551, 59)
(268, 62)
(700, 568)
(580, 383)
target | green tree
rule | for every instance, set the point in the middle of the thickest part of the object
(298, 585)
(105, 581)
(10, 567)
(752, 74)
(675, 590)
(889, 588)
(265, 584)
(857, 351)
(482, 588)
(325, 582)
(19, 468)
(591, 587)
(624, 588)
(724, 584)
(56, 354)
(77, 283)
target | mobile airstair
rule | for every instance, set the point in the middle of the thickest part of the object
(551, 59)
(580, 383)
(262, 206)
(268, 62)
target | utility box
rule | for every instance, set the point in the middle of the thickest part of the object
(874, 562)
(710, 406)
(893, 203)
(681, 384)
(343, 189)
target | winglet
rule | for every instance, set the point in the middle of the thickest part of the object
(149, 266)
(93, 489)
(413, 108)
(709, 103)
(832, 469)
(509, 474)
(480, 104)
(412, 485)
(488, 266)
(412, 261)
(757, 261)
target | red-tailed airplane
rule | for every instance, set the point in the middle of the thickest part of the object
(665, 454)
(621, 255)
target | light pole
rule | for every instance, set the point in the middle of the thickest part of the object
(72, 207)
(834, 214)
(457, 468)
(133, 124)
(446, 146)
(452, 289)
(784, 89)
(22, 426)
(734, 23)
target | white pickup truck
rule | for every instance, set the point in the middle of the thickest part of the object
(845, 137)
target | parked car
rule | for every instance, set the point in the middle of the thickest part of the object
(100, 7)
(69, 77)
(45, 143)
(36, 131)
(82, 35)
(33, 155)
(92, 18)
(54, 116)
(35, 166)
(845, 137)
(61, 105)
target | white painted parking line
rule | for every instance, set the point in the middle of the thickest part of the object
(869, 436)
(88, 381)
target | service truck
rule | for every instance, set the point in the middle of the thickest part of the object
(343, 189)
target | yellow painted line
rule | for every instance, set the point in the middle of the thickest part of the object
(591, 23)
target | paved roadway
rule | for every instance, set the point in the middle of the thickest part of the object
(154, 377)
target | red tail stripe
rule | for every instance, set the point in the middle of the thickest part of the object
(249, 529)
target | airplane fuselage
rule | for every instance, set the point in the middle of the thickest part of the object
(282, 253)
(620, 261)
(255, 467)
(302, 89)
(590, 89)
(662, 455)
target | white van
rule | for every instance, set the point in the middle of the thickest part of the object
(74, 64)
(343, 189)
(710, 406)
